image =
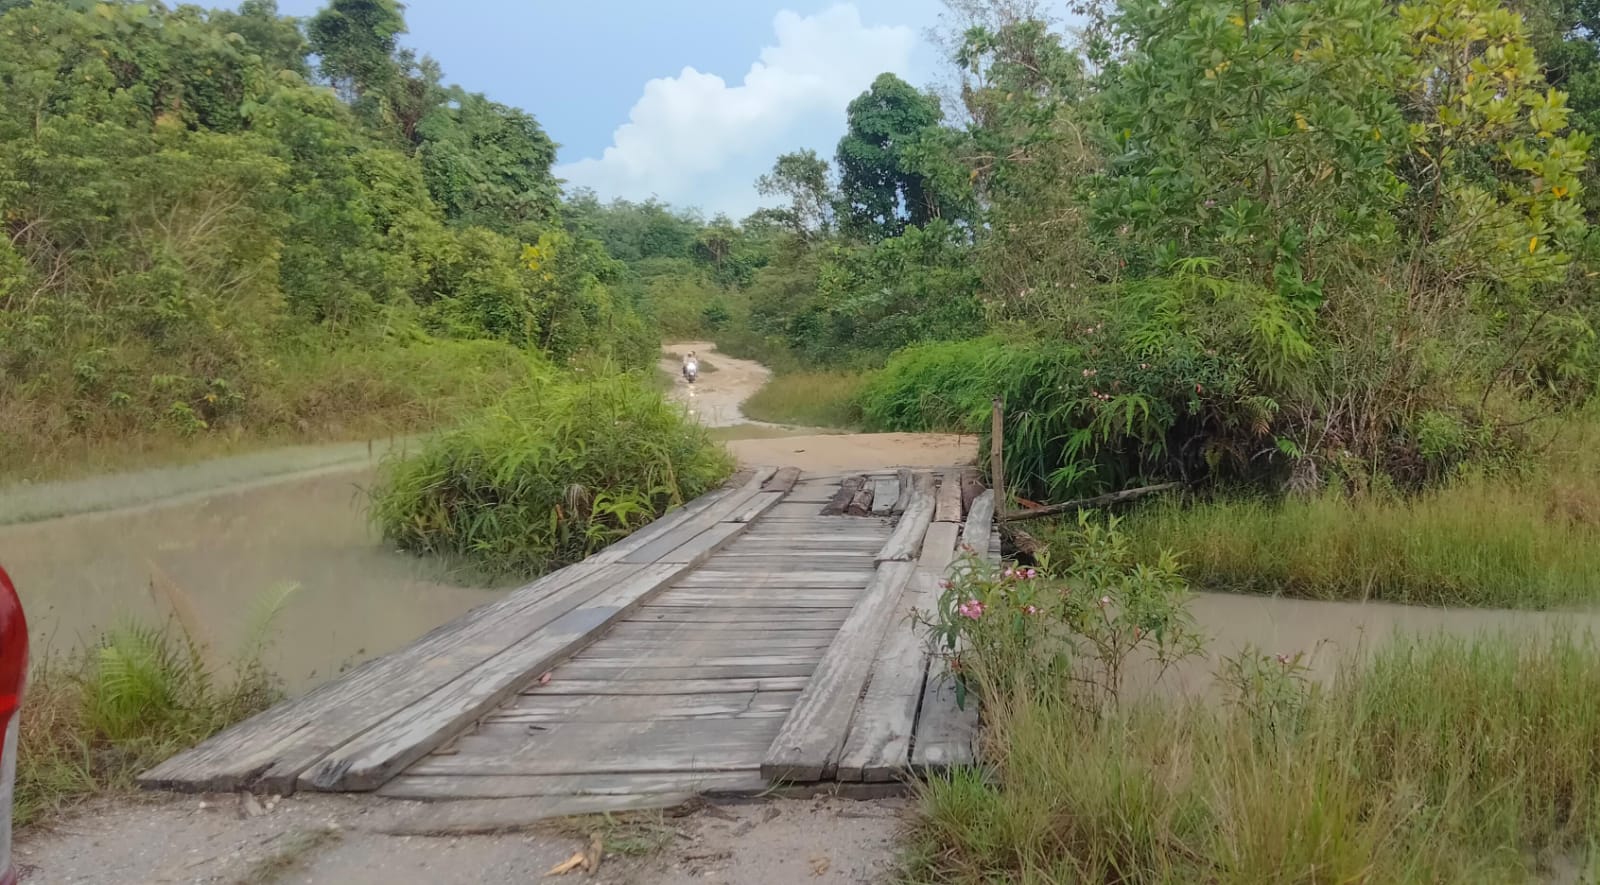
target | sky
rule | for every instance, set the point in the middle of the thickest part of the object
(685, 100)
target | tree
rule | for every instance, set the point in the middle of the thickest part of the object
(277, 38)
(488, 164)
(802, 177)
(355, 41)
(882, 188)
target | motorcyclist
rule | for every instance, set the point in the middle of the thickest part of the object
(691, 366)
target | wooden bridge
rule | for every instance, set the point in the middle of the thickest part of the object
(761, 635)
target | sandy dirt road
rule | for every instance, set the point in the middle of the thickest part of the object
(717, 397)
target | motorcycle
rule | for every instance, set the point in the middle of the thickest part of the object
(691, 371)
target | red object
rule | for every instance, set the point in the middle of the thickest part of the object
(13, 673)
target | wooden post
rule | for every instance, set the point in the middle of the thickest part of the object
(997, 464)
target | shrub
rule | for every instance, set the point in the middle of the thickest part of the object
(557, 470)
(809, 399)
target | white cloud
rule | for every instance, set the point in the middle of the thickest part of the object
(695, 140)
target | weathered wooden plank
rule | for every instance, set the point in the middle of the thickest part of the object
(271, 749)
(707, 576)
(649, 671)
(782, 598)
(903, 480)
(603, 748)
(758, 504)
(411, 732)
(980, 523)
(947, 501)
(536, 709)
(946, 734)
(741, 782)
(726, 631)
(861, 503)
(797, 510)
(627, 647)
(842, 498)
(885, 494)
(696, 524)
(783, 480)
(701, 546)
(907, 537)
(603, 687)
(701, 615)
(878, 746)
(659, 527)
(807, 748)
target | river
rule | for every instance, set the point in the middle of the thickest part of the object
(205, 544)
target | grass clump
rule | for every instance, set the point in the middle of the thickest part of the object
(1434, 759)
(94, 720)
(559, 469)
(809, 399)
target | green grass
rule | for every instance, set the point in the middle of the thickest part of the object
(554, 472)
(809, 399)
(1439, 760)
(95, 719)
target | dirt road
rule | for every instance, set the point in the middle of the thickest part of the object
(716, 399)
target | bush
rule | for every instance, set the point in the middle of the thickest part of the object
(1439, 759)
(559, 469)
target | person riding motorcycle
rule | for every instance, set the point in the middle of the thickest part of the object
(691, 367)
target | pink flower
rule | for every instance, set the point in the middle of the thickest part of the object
(972, 609)
(1031, 609)
(1008, 572)
(1029, 573)
(1105, 601)
(944, 585)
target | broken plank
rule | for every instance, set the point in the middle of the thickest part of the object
(861, 503)
(412, 731)
(807, 748)
(907, 537)
(841, 499)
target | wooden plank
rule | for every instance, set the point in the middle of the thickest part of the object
(537, 709)
(740, 782)
(271, 749)
(907, 537)
(947, 501)
(701, 615)
(714, 656)
(946, 734)
(792, 509)
(841, 499)
(697, 523)
(649, 671)
(903, 481)
(885, 494)
(614, 646)
(785, 599)
(782, 481)
(807, 749)
(604, 687)
(725, 632)
(701, 546)
(706, 576)
(878, 747)
(412, 731)
(980, 523)
(758, 504)
(659, 527)
(861, 503)
(971, 488)
(601, 747)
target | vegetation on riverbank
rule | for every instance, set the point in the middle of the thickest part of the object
(559, 469)
(93, 719)
(809, 399)
(1436, 759)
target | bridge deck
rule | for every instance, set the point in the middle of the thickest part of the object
(743, 640)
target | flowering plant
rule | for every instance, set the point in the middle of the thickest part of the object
(1072, 627)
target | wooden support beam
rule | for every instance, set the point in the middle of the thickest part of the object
(847, 492)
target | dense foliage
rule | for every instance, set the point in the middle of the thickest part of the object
(557, 471)
(188, 209)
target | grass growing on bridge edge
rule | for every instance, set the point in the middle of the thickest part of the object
(1440, 759)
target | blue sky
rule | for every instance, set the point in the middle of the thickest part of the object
(688, 100)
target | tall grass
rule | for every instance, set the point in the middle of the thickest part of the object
(554, 472)
(1439, 760)
(809, 399)
(94, 719)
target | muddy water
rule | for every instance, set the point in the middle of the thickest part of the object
(214, 556)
